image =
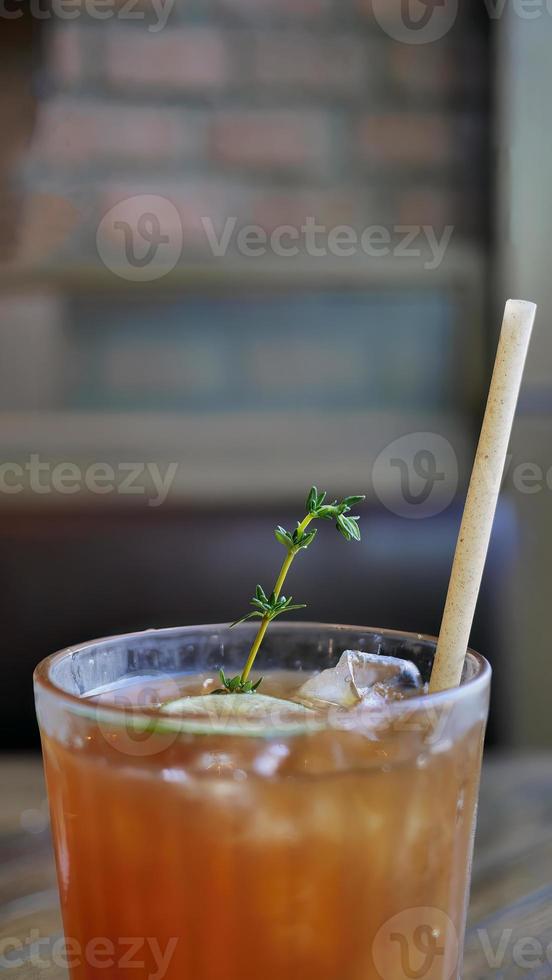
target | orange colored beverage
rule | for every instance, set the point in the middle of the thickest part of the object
(337, 849)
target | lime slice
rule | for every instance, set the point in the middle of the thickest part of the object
(239, 714)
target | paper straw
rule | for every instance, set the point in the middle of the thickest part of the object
(479, 511)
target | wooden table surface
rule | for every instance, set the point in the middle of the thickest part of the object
(510, 927)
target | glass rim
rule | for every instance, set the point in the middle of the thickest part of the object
(466, 690)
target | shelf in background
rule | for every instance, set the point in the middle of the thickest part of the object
(229, 456)
(462, 264)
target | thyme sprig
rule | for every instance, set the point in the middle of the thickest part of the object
(268, 607)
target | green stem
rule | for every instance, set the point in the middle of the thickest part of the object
(277, 589)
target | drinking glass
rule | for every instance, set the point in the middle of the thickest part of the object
(337, 848)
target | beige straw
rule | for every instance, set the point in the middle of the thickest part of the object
(477, 520)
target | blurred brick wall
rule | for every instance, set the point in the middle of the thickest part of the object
(267, 110)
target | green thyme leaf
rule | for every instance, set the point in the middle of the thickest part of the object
(268, 607)
(351, 501)
(348, 527)
(283, 536)
(311, 500)
(328, 512)
(244, 619)
(305, 539)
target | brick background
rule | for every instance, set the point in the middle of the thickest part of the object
(412, 140)
(287, 9)
(325, 65)
(65, 57)
(268, 110)
(279, 140)
(192, 59)
(428, 71)
(84, 131)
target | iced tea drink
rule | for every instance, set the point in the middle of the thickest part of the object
(333, 845)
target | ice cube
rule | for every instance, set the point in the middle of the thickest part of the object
(357, 676)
